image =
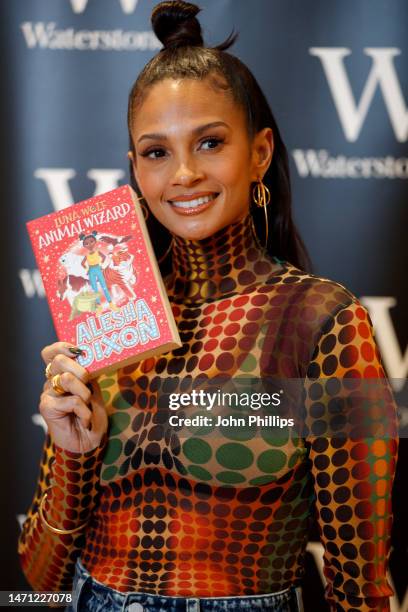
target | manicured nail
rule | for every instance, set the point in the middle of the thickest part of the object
(75, 350)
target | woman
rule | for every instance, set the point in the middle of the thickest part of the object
(179, 519)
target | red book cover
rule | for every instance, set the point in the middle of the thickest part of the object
(102, 281)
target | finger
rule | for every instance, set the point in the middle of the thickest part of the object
(49, 352)
(71, 384)
(53, 408)
(61, 363)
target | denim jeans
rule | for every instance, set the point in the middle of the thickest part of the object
(95, 274)
(89, 595)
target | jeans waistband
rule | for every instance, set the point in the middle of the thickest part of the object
(91, 595)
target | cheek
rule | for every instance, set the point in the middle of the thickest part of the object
(236, 184)
(151, 181)
(234, 171)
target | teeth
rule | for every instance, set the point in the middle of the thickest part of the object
(193, 203)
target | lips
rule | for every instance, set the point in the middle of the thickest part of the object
(190, 204)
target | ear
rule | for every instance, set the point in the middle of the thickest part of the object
(262, 152)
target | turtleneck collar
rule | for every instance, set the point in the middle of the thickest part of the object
(226, 263)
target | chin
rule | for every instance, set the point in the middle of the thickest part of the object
(201, 226)
(200, 230)
(201, 233)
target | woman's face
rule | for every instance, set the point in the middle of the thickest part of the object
(194, 161)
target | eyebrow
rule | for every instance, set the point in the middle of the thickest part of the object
(197, 131)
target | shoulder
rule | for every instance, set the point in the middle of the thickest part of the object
(313, 305)
(310, 290)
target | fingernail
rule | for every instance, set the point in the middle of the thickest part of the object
(75, 350)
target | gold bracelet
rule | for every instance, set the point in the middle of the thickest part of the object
(55, 529)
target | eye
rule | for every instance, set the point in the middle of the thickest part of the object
(155, 153)
(211, 143)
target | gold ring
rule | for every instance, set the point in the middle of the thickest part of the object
(48, 371)
(56, 384)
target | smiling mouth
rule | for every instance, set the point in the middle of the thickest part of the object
(193, 206)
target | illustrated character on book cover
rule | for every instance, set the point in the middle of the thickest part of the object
(98, 273)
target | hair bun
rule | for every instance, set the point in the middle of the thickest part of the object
(175, 24)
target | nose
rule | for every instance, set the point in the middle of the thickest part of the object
(187, 173)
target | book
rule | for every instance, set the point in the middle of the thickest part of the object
(102, 281)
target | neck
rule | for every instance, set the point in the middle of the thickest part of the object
(226, 263)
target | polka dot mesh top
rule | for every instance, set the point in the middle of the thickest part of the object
(222, 511)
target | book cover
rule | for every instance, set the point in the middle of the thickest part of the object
(102, 281)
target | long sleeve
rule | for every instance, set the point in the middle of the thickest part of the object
(71, 481)
(352, 424)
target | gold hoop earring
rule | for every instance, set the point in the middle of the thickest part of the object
(262, 196)
(145, 212)
(163, 257)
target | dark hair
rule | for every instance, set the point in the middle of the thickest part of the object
(184, 56)
(83, 237)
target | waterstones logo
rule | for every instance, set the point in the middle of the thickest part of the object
(57, 182)
(46, 35)
(352, 115)
(395, 362)
(31, 282)
(321, 164)
(128, 6)
(382, 75)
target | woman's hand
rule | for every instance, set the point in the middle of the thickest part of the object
(76, 421)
